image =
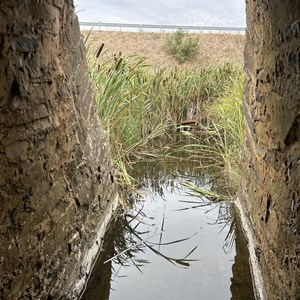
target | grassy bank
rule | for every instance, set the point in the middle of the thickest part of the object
(152, 111)
(224, 135)
(214, 48)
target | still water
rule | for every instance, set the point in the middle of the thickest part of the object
(172, 245)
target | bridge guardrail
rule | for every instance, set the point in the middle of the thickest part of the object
(164, 27)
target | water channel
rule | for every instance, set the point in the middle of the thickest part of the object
(171, 244)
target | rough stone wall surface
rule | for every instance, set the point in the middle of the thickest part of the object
(55, 179)
(271, 166)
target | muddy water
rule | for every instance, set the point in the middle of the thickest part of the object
(172, 245)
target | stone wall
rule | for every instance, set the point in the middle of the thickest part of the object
(56, 186)
(271, 166)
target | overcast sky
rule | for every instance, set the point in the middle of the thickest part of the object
(177, 12)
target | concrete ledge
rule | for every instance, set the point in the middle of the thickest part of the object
(89, 258)
(257, 278)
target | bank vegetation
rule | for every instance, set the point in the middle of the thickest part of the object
(190, 113)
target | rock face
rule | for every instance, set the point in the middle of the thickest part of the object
(56, 185)
(271, 166)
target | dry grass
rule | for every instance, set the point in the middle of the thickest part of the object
(214, 48)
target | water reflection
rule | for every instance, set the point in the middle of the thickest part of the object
(172, 245)
(159, 175)
(99, 284)
(241, 283)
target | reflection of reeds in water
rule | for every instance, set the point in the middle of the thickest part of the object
(159, 174)
(130, 242)
(227, 218)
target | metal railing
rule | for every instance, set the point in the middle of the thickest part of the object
(163, 28)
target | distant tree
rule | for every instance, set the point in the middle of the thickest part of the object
(181, 46)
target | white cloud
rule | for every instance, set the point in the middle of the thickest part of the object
(180, 12)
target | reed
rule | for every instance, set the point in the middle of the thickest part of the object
(141, 106)
(228, 120)
(149, 111)
(224, 133)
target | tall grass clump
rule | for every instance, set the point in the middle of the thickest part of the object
(141, 106)
(224, 135)
(228, 126)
